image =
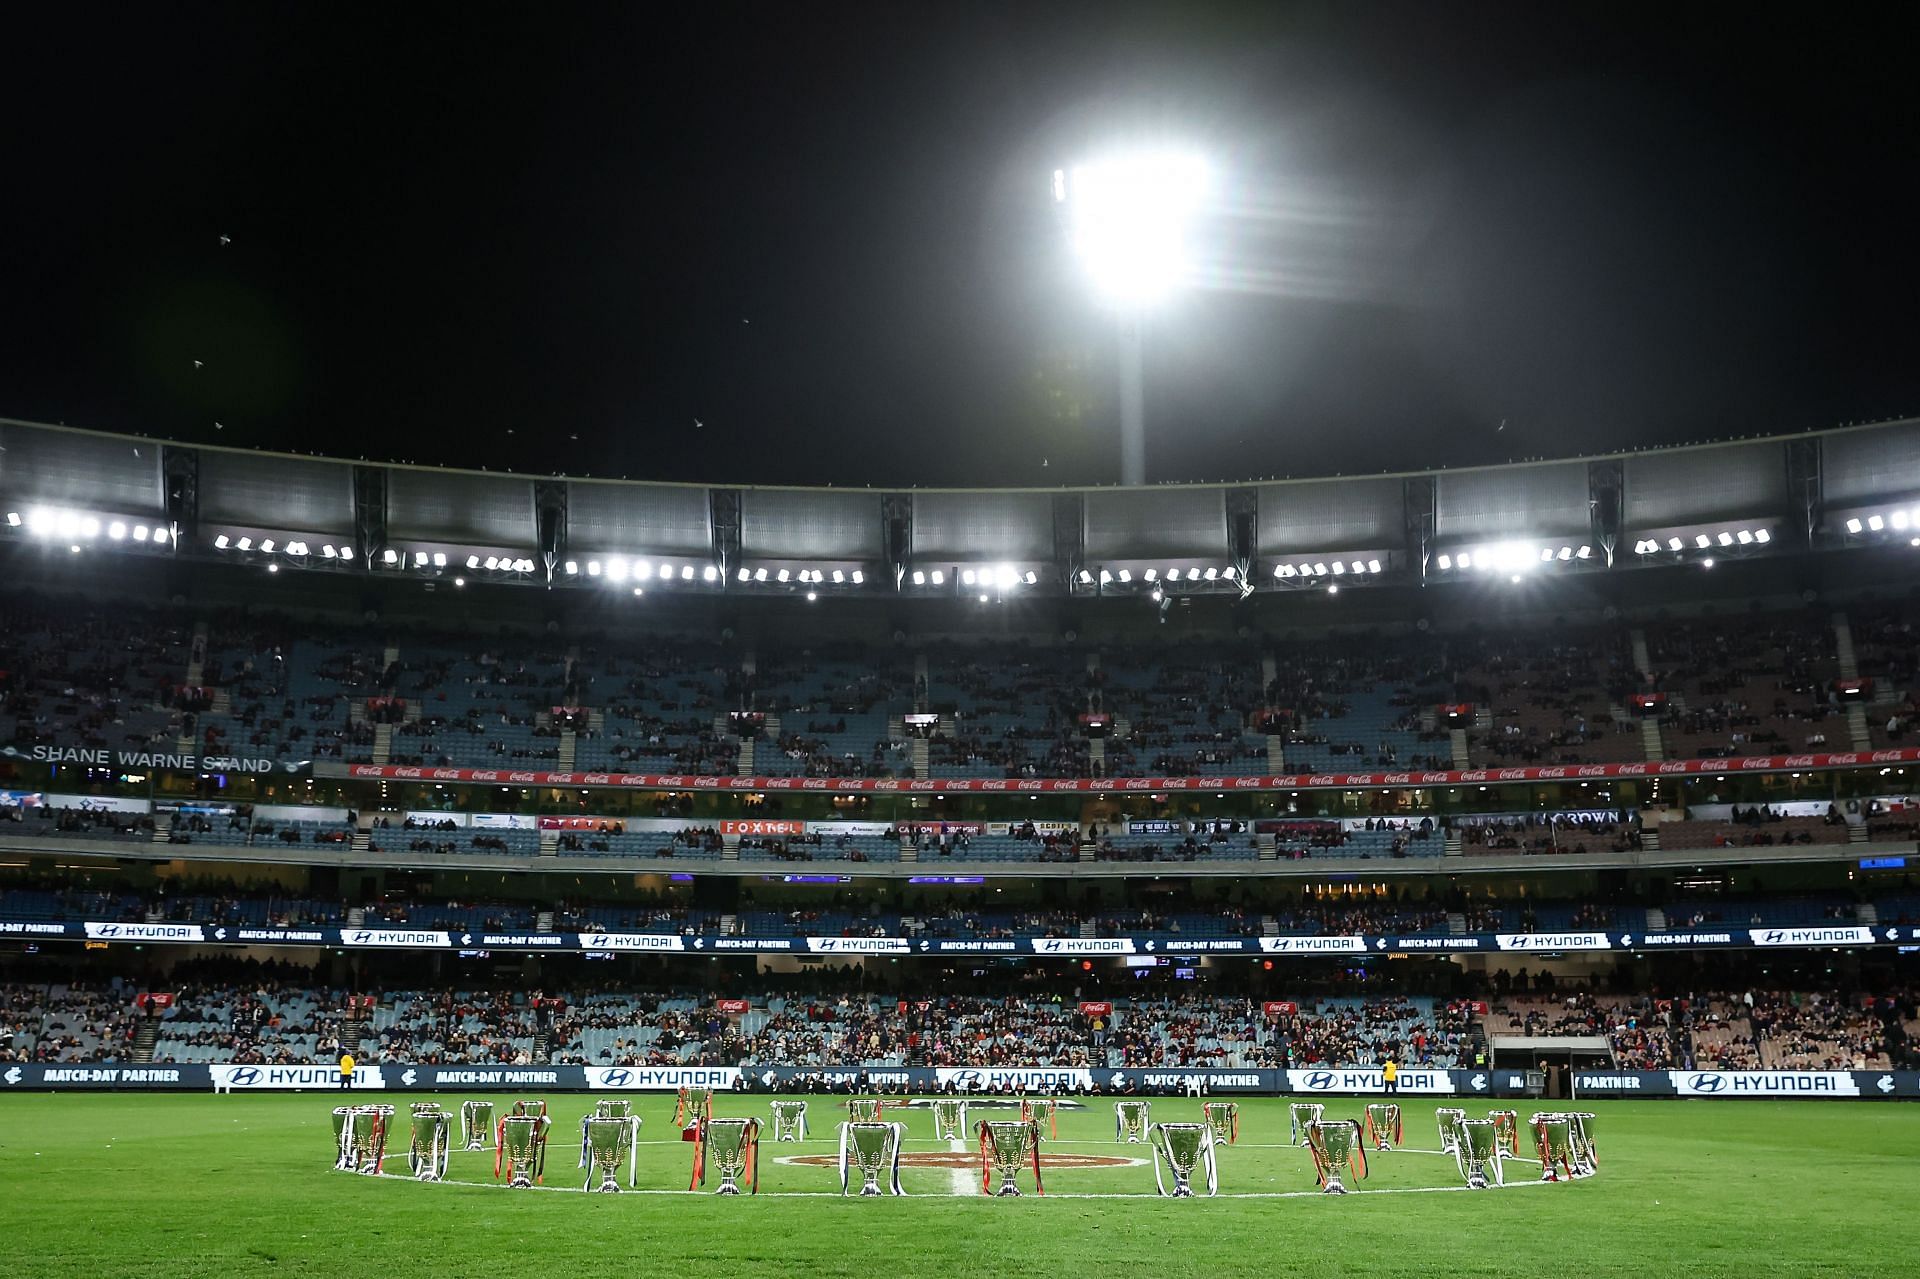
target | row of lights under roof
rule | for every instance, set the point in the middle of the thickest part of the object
(1901, 521)
(1706, 541)
(500, 564)
(295, 547)
(615, 568)
(806, 576)
(1125, 575)
(1325, 568)
(1511, 557)
(76, 526)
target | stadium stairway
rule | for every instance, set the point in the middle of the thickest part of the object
(922, 758)
(1642, 659)
(1268, 845)
(1269, 926)
(1456, 923)
(729, 848)
(1097, 756)
(1652, 746)
(1860, 737)
(1276, 753)
(569, 744)
(1457, 743)
(143, 1039)
(382, 743)
(908, 852)
(162, 824)
(1656, 920)
(1456, 846)
(1848, 662)
(543, 922)
(549, 843)
(1867, 913)
(1857, 833)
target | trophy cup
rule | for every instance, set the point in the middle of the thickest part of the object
(613, 1112)
(1448, 1117)
(1043, 1113)
(342, 1147)
(367, 1137)
(613, 1108)
(1005, 1145)
(518, 1154)
(949, 1118)
(1506, 1130)
(1302, 1113)
(1336, 1147)
(1224, 1118)
(874, 1149)
(428, 1141)
(476, 1125)
(789, 1121)
(1476, 1150)
(1383, 1124)
(864, 1110)
(1553, 1138)
(1586, 1161)
(733, 1147)
(695, 1104)
(1184, 1147)
(609, 1140)
(1130, 1120)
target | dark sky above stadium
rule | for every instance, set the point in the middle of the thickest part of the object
(815, 243)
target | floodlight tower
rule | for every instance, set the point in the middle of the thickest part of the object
(1127, 218)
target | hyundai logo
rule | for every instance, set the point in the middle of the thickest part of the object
(109, 930)
(1772, 935)
(1707, 1082)
(967, 1078)
(245, 1077)
(616, 1079)
(361, 938)
(1320, 1079)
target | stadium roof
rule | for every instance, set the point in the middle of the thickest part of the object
(1749, 497)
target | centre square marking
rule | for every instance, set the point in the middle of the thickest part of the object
(971, 1160)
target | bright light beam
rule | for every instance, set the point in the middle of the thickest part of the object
(1127, 220)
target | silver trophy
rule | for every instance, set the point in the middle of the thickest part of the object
(695, 1104)
(608, 1113)
(1005, 1147)
(522, 1143)
(341, 1146)
(1302, 1113)
(1476, 1151)
(1337, 1149)
(1506, 1130)
(1586, 1161)
(949, 1118)
(1448, 1117)
(1130, 1120)
(1553, 1139)
(613, 1108)
(1224, 1118)
(363, 1139)
(476, 1125)
(608, 1142)
(1383, 1124)
(1185, 1147)
(732, 1146)
(873, 1149)
(429, 1142)
(864, 1110)
(1044, 1114)
(789, 1121)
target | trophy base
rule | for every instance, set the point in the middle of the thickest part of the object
(1476, 1182)
(727, 1188)
(1335, 1188)
(1181, 1192)
(870, 1190)
(520, 1183)
(1550, 1175)
(1007, 1189)
(607, 1188)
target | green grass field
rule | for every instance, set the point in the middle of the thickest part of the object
(113, 1185)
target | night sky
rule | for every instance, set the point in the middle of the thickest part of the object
(825, 232)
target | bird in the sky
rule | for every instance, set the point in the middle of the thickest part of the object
(698, 424)
(197, 364)
(225, 240)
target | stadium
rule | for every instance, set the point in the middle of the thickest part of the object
(1494, 865)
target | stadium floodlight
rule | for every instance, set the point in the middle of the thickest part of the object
(1127, 218)
(983, 597)
(709, 574)
(616, 569)
(1584, 553)
(1338, 568)
(13, 519)
(1373, 566)
(760, 575)
(1745, 537)
(1726, 538)
(1230, 573)
(745, 575)
(1898, 519)
(1707, 562)
(1319, 569)
(244, 544)
(858, 577)
(1875, 523)
(1853, 525)
(1125, 575)
(838, 577)
(919, 578)
(571, 568)
(1675, 544)
(117, 531)
(782, 576)
(643, 571)
(221, 542)
(1086, 578)
(271, 568)
(297, 549)
(492, 562)
(1701, 541)
(389, 556)
(812, 596)
(686, 572)
(1762, 536)
(1445, 562)
(1211, 573)
(1333, 588)
(266, 546)
(439, 559)
(1105, 577)
(346, 552)
(967, 577)
(1546, 554)
(938, 578)
(1151, 575)
(459, 581)
(593, 568)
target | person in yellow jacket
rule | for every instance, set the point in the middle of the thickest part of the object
(1390, 1076)
(346, 1070)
